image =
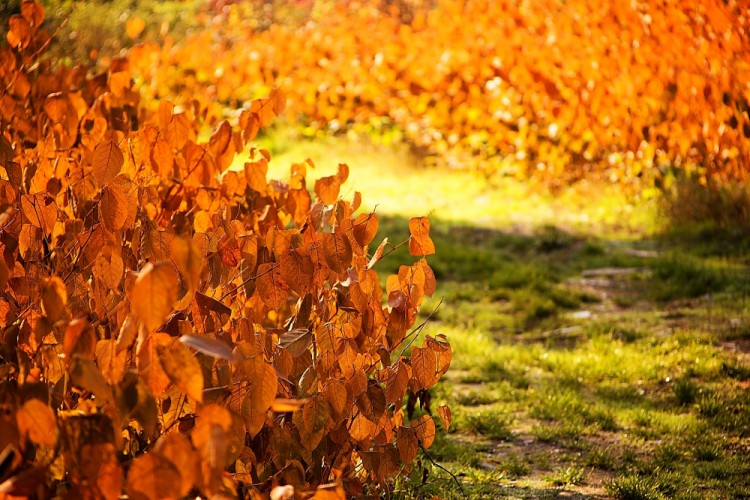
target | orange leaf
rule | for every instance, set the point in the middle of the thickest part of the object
(336, 394)
(315, 414)
(406, 441)
(361, 428)
(255, 173)
(110, 362)
(19, 34)
(327, 189)
(378, 254)
(163, 157)
(176, 448)
(209, 435)
(149, 367)
(186, 257)
(182, 368)
(365, 228)
(271, 287)
(420, 243)
(107, 162)
(80, 338)
(331, 491)
(85, 374)
(153, 477)
(263, 387)
(337, 252)
(424, 365)
(424, 428)
(54, 298)
(40, 210)
(4, 274)
(134, 26)
(113, 207)
(283, 405)
(154, 294)
(37, 421)
(297, 270)
(445, 416)
(109, 268)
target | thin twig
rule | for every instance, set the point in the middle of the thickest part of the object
(458, 483)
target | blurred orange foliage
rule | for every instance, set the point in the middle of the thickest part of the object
(624, 88)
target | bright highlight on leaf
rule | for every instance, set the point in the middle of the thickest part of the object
(154, 294)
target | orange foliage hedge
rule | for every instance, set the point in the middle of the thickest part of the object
(174, 327)
(550, 89)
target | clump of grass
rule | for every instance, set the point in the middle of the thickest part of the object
(551, 239)
(633, 487)
(476, 398)
(601, 458)
(717, 471)
(686, 391)
(688, 204)
(709, 405)
(515, 466)
(568, 476)
(707, 451)
(489, 424)
(558, 433)
(682, 276)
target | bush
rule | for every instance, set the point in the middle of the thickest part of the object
(173, 326)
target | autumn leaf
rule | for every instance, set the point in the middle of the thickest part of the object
(147, 361)
(134, 26)
(85, 374)
(365, 228)
(186, 257)
(407, 443)
(4, 275)
(378, 254)
(208, 346)
(424, 365)
(271, 287)
(420, 243)
(296, 341)
(111, 362)
(297, 270)
(182, 368)
(424, 429)
(261, 394)
(154, 294)
(113, 207)
(40, 210)
(361, 428)
(178, 450)
(327, 189)
(106, 162)
(210, 437)
(152, 477)
(109, 268)
(337, 252)
(445, 416)
(79, 338)
(54, 298)
(37, 421)
(315, 414)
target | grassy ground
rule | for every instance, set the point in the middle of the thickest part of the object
(591, 358)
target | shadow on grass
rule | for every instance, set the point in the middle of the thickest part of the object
(582, 364)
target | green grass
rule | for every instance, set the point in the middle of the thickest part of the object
(588, 350)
